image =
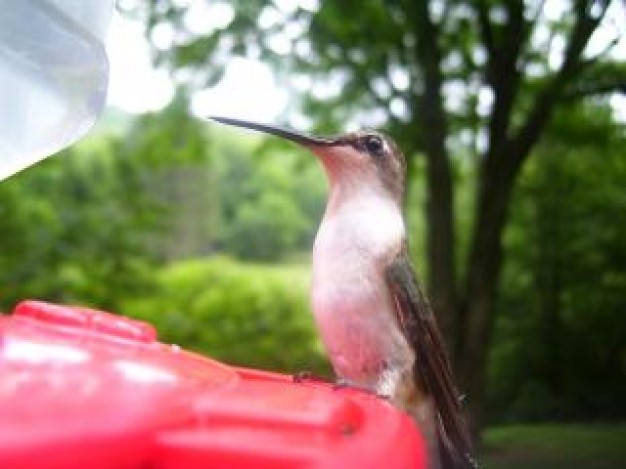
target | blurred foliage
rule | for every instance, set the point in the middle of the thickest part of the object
(560, 348)
(338, 76)
(244, 314)
(270, 198)
(73, 228)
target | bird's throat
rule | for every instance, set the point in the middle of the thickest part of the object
(366, 225)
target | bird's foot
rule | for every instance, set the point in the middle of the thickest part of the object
(307, 376)
(338, 383)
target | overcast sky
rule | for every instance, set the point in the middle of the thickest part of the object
(247, 89)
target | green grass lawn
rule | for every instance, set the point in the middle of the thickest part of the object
(542, 446)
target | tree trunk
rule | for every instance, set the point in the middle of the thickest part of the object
(466, 317)
(440, 213)
(508, 149)
(478, 304)
(429, 108)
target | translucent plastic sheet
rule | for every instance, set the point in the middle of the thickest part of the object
(53, 76)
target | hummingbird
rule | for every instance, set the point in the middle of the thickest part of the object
(374, 320)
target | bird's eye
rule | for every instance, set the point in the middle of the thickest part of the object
(374, 145)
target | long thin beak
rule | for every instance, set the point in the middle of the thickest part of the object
(302, 139)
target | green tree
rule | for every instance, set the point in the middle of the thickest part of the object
(560, 337)
(217, 193)
(450, 79)
(72, 228)
(268, 205)
(172, 150)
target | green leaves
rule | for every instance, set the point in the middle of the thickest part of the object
(271, 200)
(244, 314)
(560, 337)
(69, 229)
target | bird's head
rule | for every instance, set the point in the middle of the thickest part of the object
(363, 159)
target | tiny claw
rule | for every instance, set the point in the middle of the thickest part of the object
(338, 383)
(304, 376)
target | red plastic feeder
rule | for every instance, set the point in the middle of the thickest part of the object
(81, 388)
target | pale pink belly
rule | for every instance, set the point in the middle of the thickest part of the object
(360, 332)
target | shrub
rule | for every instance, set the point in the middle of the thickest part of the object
(244, 314)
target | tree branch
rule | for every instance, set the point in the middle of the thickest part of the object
(486, 32)
(543, 105)
(616, 86)
(505, 77)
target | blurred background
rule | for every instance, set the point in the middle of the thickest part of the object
(511, 116)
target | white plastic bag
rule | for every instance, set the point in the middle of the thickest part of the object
(53, 76)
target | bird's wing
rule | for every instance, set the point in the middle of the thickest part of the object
(432, 370)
